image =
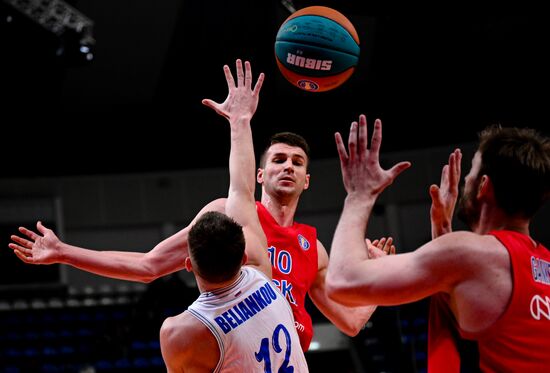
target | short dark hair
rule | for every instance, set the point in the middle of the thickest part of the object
(216, 246)
(288, 138)
(518, 162)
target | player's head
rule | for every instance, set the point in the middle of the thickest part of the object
(288, 138)
(216, 247)
(283, 166)
(517, 162)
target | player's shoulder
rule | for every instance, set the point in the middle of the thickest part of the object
(182, 329)
(470, 240)
(467, 246)
(217, 204)
(459, 238)
(186, 341)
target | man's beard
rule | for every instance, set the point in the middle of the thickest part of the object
(468, 207)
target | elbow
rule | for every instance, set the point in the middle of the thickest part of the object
(355, 332)
(145, 277)
(358, 326)
(147, 280)
(150, 275)
(335, 290)
(350, 326)
(148, 271)
(352, 330)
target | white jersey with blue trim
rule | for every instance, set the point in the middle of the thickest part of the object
(253, 325)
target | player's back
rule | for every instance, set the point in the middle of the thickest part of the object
(253, 325)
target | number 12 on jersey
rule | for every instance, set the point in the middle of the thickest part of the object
(263, 354)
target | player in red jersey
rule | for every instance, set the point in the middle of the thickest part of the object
(494, 281)
(299, 259)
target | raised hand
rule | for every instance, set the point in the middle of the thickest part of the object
(36, 249)
(445, 195)
(361, 170)
(380, 247)
(242, 100)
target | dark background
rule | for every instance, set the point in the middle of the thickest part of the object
(433, 80)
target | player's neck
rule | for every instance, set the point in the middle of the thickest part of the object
(205, 286)
(496, 219)
(282, 210)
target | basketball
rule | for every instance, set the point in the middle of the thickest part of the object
(317, 49)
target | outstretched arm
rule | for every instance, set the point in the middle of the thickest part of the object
(44, 247)
(239, 107)
(445, 195)
(364, 180)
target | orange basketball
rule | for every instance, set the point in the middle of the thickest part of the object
(317, 49)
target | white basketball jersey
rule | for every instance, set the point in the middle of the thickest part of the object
(253, 325)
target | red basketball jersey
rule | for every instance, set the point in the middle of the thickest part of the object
(519, 341)
(443, 354)
(293, 254)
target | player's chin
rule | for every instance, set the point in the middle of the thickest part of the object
(288, 185)
(287, 189)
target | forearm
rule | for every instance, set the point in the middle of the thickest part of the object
(439, 229)
(166, 257)
(355, 318)
(349, 320)
(115, 264)
(348, 245)
(241, 158)
(349, 254)
(240, 202)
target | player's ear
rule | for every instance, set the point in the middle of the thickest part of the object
(260, 175)
(306, 185)
(485, 188)
(188, 265)
(245, 259)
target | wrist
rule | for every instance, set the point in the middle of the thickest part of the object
(441, 228)
(62, 254)
(360, 199)
(243, 119)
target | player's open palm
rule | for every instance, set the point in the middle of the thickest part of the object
(361, 170)
(242, 99)
(445, 195)
(380, 247)
(35, 248)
